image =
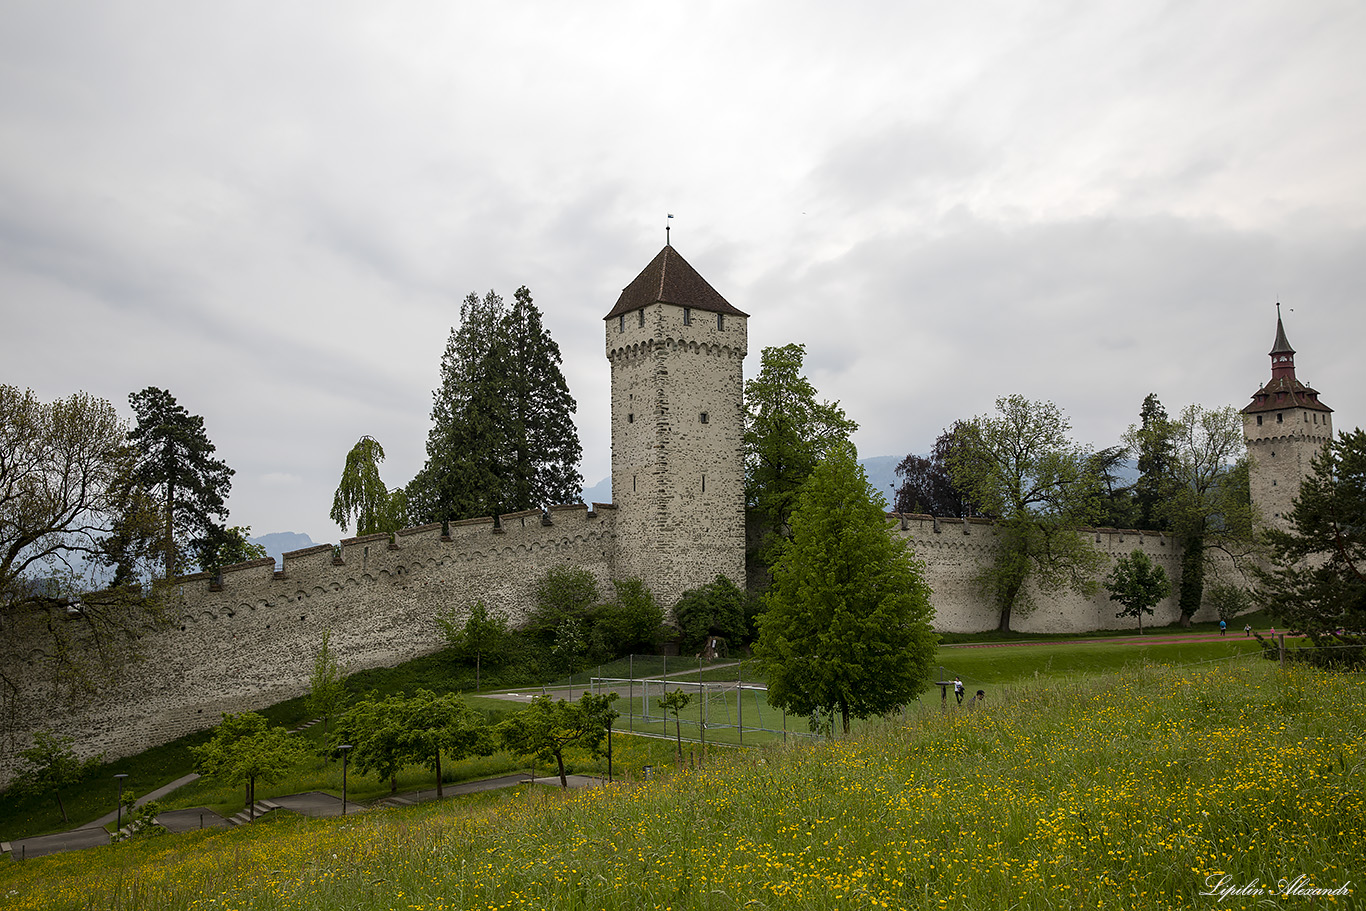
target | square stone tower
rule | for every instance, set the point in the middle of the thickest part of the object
(677, 348)
(1284, 427)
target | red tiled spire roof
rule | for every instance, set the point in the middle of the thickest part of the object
(1284, 390)
(669, 279)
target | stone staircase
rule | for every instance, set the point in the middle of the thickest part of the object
(262, 807)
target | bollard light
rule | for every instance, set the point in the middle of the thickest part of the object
(118, 824)
(345, 750)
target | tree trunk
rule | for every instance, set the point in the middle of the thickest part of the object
(844, 717)
(393, 785)
(476, 672)
(438, 773)
(678, 728)
(170, 530)
(60, 806)
(564, 780)
(251, 796)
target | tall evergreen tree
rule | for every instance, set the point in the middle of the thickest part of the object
(1316, 578)
(175, 462)
(545, 447)
(847, 627)
(502, 437)
(1151, 442)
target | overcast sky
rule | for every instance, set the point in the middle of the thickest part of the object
(273, 210)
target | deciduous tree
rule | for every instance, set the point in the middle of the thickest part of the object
(244, 748)
(1020, 466)
(927, 484)
(715, 609)
(1138, 584)
(546, 728)
(361, 494)
(787, 431)
(50, 766)
(71, 509)
(232, 546)
(674, 702)
(436, 724)
(377, 731)
(632, 622)
(1316, 580)
(478, 634)
(848, 619)
(175, 460)
(326, 686)
(1205, 501)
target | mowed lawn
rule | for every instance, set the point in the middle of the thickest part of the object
(998, 664)
(1141, 789)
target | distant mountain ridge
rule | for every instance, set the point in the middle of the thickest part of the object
(278, 543)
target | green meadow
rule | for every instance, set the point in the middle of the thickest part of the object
(991, 667)
(1151, 786)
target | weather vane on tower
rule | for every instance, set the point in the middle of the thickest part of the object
(666, 229)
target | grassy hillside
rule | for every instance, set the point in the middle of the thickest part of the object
(988, 664)
(1128, 790)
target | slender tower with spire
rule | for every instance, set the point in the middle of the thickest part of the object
(1284, 427)
(678, 478)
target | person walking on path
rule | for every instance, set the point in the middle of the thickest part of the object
(1247, 631)
(1223, 628)
(958, 689)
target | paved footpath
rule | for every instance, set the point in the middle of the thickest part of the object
(312, 803)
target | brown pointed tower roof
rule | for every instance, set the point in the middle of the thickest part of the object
(669, 279)
(1284, 390)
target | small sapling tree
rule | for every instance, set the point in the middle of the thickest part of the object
(1137, 583)
(545, 728)
(51, 766)
(482, 636)
(327, 689)
(674, 702)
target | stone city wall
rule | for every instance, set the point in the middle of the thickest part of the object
(248, 639)
(954, 550)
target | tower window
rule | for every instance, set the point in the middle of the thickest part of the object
(1259, 420)
(642, 316)
(702, 417)
(621, 323)
(720, 321)
(1278, 417)
(687, 316)
(631, 418)
(704, 483)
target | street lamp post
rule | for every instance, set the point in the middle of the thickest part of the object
(345, 750)
(118, 824)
